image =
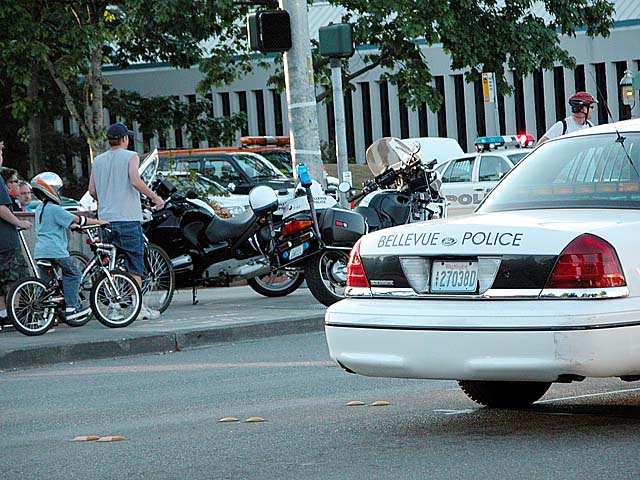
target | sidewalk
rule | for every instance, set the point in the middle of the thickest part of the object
(222, 315)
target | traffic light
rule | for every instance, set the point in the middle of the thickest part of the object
(336, 40)
(269, 31)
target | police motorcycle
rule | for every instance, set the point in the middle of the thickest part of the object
(404, 190)
(206, 249)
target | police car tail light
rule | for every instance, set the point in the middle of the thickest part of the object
(587, 262)
(356, 276)
(293, 226)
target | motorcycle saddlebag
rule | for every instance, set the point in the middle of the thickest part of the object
(340, 227)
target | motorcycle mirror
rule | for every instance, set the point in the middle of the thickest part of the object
(191, 195)
(415, 147)
(344, 187)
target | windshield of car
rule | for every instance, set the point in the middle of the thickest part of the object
(202, 187)
(576, 172)
(516, 157)
(255, 166)
(281, 159)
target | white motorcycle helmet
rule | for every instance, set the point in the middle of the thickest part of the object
(263, 199)
(316, 190)
(46, 186)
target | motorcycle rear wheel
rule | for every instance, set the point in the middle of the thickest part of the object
(277, 284)
(326, 276)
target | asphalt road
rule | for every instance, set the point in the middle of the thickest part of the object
(167, 407)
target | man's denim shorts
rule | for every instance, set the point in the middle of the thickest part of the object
(129, 239)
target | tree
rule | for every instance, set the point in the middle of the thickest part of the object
(72, 40)
(478, 35)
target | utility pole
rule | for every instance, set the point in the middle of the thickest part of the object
(301, 95)
(341, 126)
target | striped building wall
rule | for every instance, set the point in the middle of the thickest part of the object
(374, 109)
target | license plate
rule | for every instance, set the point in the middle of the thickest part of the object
(295, 252)
(454, 276)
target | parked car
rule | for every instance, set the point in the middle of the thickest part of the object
(208, 190)
(540, 285)
(67, 203)
(467, 179)
(238, 172)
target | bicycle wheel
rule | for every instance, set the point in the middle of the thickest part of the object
(86, 282)
(159, 281)
(116, 299)
(29, 307)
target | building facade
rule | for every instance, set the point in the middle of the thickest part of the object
(374, 109)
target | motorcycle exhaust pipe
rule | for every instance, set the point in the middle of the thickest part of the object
(183, 262)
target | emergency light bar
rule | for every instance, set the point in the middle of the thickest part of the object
(523, 140)
(264, 141)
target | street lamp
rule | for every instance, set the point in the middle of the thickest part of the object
(627, 90)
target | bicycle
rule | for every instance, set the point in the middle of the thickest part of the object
(33, 303)
(158, 283)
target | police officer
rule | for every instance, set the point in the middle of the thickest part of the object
(582, 105)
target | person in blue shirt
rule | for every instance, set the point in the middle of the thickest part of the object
(52, 223)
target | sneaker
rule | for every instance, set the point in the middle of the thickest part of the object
(77, 313)
(147, 313)
(115, 312)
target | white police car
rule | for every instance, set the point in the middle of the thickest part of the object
(467, 179)
(540, 285)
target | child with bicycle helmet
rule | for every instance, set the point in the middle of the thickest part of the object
(52, 222)
(582, 105)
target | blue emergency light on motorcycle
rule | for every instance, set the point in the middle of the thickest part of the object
(303, 175)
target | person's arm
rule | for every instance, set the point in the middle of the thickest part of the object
(8, 216)
(92, 187)
(82, 220)
(139, 185)
(542, 139)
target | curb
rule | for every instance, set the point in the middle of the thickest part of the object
(42, 356)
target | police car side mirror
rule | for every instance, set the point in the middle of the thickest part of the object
(344, 187)
(191, 195)
(231, 186)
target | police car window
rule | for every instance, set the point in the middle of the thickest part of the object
(221, 170)
(516, 157)
(459, 170)
(179, 163)
(584, 172)
(492, 168)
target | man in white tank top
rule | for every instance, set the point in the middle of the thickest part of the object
(116, 184)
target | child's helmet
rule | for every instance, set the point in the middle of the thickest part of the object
(46, 185)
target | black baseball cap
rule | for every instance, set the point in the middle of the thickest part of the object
(118, 130)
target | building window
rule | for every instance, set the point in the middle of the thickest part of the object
(178, 131)
(423, 124)
(277, 111)
(348, 114)
(478, 97)
(501, 116)
(226, 104)
(601, 91)
(192, 100)
(578, 75)
(384, 109)
(146, 142)
(366, 113)
(521, 123)
(262, 129)
(331, 125)
(162, 141)
(458, 83)
(404, 117)
(538, 98)
(559, 93)
(442, 112)
(625, 110)
(242, 104)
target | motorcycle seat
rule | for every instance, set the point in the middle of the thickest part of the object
(222, 229)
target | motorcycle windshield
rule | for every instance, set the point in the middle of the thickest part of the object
(386, 152)
(149, 167)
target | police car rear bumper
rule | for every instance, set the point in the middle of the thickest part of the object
(486, 340)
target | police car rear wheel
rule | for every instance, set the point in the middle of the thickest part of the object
(504, 394)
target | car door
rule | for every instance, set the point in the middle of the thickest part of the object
(457, 185)
(489, 171)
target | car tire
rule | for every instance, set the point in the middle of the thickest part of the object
(504, 394)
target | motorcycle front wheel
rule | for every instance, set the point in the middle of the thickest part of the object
(326, 276)
(277, 284)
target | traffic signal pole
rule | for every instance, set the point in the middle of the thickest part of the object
(301, 95)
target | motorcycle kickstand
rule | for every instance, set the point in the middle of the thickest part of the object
(194, 294)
